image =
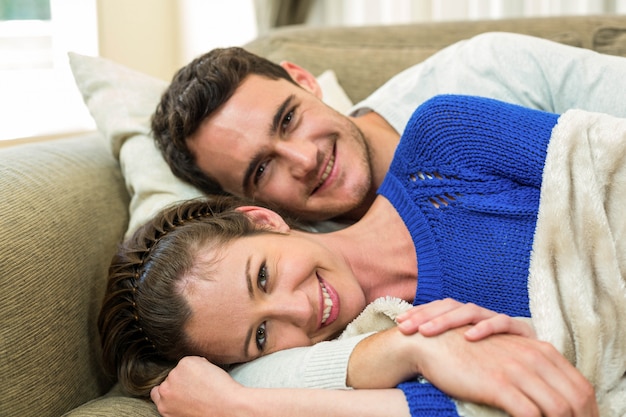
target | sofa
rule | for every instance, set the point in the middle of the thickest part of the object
(65, 206)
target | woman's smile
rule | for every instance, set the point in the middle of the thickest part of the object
(329, 303)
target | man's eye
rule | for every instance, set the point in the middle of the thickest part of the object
(259, 172)
(287, 119)
(261, 337)
(262, 277)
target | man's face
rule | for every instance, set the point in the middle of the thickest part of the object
(280, 144)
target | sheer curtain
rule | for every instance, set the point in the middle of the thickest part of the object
(364, 12)
(274, 13)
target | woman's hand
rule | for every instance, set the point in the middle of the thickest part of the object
(439, 316)
(196, 387)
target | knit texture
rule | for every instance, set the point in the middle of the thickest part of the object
(466, 179)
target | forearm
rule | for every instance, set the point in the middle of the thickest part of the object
(197, 388)
(313, 403)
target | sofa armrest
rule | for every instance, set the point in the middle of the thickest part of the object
(64, 209)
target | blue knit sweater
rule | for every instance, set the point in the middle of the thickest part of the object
(466, 179)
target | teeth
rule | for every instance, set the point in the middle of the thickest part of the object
(326, 172)
(328, 304)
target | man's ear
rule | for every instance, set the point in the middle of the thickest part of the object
(265, 218)
(303, 77)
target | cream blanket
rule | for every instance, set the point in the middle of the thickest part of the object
(577, 276)
(577, 284)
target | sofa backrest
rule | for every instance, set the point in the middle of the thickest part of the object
(365, 57)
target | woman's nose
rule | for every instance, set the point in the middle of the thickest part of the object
(294, 308)
(300, 154)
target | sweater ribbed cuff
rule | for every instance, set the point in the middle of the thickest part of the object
(327, 365)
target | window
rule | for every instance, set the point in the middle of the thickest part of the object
(39, 96)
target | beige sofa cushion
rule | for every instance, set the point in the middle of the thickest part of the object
(114, 405)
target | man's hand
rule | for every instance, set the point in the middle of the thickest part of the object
(439, 316)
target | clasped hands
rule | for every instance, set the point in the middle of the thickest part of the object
(469, 352)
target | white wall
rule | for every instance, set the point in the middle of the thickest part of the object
(211, 24)
(141, 34)
(159, 36)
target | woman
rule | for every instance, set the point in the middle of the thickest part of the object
(485, 206)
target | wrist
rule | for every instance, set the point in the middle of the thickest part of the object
(250, 402)
(408, 352)
(383, 360)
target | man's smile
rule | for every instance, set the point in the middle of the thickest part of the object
(325, 173)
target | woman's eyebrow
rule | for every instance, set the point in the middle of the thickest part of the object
(248, 278)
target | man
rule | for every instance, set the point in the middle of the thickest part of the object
(237, 123)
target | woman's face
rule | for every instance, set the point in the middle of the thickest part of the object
(269, 292)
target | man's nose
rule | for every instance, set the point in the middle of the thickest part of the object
(301, 155)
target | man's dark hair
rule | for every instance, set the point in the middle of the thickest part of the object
(196, 91)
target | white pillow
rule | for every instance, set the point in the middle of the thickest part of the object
(121, 101)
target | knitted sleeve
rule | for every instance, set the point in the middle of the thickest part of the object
(425, 400)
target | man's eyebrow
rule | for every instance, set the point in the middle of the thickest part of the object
(276, 121)
(278, 115)
(251, 295)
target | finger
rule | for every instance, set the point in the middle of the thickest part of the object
(461, 316)
(575, 388)
(514, 402)
(500, 323)
(530, 396)
(410, 321)
(429, 310)
(556, 387)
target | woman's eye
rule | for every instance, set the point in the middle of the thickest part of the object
(261, 337)
(262, 278)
